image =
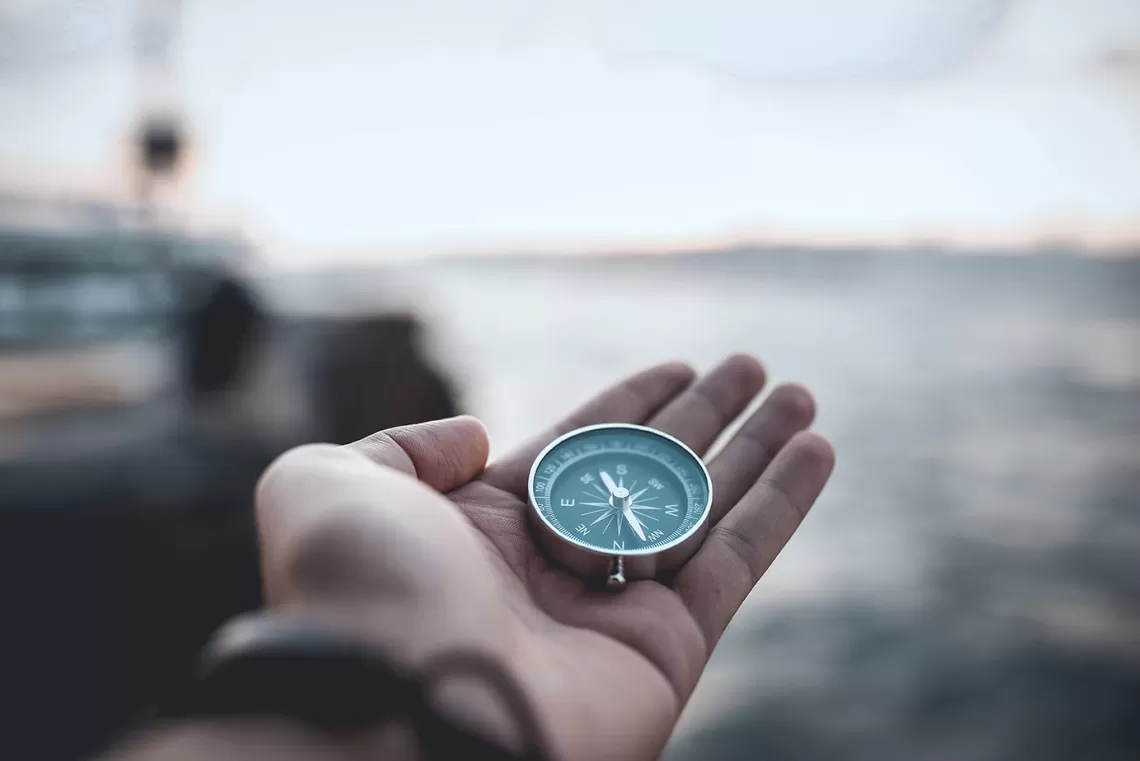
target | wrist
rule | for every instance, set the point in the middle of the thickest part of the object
(263, 677)
(476, 692)
(468, 689)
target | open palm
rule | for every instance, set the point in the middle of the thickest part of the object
(433, 550)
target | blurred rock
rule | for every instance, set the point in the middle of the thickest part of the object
(370, 374)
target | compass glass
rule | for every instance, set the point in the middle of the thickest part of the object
(620, 489)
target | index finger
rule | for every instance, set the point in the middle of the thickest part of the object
(633, 400)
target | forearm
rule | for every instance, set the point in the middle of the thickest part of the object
(248, 739)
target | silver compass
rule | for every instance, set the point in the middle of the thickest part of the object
(620, 501)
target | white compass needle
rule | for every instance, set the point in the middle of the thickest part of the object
(608, 480)
(634, 523)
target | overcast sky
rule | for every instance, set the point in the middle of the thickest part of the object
(586, 124)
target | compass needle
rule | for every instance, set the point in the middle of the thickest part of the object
(608, 480)
(601, 492)
(634, 523)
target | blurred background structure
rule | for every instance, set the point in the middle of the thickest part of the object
(230, 227)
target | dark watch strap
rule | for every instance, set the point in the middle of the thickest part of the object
(261, 666)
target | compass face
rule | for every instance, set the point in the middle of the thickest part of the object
(620, 489)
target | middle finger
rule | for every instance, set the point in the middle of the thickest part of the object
(702, 411)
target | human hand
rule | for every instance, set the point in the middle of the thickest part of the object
(405, 540)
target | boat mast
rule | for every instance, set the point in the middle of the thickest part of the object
(160, 140)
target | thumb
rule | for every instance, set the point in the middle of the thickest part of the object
(444, 454)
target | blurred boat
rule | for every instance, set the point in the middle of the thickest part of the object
(92, 297)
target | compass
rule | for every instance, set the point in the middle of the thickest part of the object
(620, 501)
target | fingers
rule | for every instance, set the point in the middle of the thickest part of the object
(700, 413)
(740, 548)
(444, 454)
(633, 400)
(788, 410)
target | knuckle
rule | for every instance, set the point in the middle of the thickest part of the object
(756, 433)
(717, 407)
(780, 500)
(739, 546)
(384, 447)
(815, 449)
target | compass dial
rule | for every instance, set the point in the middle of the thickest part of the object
(620, 489)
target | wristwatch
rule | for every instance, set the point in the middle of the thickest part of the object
(264, 665)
